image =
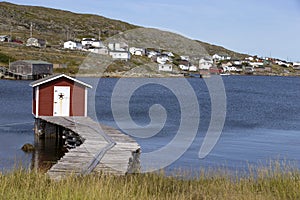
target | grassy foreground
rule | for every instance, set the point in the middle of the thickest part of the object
(266, 184)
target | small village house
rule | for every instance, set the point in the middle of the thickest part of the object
(87, 42)
(165, 67)
(120, 55)
(250, 58)
(205, 63)
(227, 64)
(167, 53)
(137, 51)
(233, 69)
(151, 53)
(101, 50)
(118, 46)
(217, 57)
(34, 42)
(97, 44)
(256, 64)
(296, 65)
(237, 63)
(193, 68)
(187, 58)
(184, 65)
(163, 59)
(72, 45)
(226, 68)
(282, 63)
(5, 38)
(248, 70)
(119, 51)
(59, 95)
(31, 69)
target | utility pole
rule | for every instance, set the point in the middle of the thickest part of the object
(68, 34)
(30, 29)
(99, 35)
(11, 28)
(10, 34)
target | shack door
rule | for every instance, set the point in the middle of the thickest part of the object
(61, 106)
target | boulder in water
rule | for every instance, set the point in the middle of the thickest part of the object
(28, 148)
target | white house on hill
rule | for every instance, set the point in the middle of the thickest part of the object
(72, 45)
(205, 63)
(162, 59)
(184, 65)
(5, 38)
(167, 53)
(165, 67)
(34, 42)
(87, 42)
(296, 65)
(256, 64)
(97, 44)
(102, 51)
(282, 63)
(118, 46)
(119, 51)
(187, 58)
(150, 54)
(137, 51)
(193, 68)
(120, 55)
(218, 57)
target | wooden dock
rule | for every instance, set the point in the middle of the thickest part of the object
(104, 150)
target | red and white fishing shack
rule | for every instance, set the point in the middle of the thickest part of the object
(60, 109)
(59, 95)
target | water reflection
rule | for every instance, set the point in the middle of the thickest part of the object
(47, 152)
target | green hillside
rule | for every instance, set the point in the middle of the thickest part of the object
(58, 26)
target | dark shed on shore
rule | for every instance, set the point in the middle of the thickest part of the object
(31, 69)
(59, 95)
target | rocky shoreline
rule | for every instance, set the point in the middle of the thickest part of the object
(122, 75)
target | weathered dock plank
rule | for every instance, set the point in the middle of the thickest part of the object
(104, 150)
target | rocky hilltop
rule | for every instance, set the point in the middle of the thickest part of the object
(56, 25)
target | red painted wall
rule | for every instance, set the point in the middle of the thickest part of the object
(77, 97)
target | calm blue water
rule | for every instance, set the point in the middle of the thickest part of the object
(16, 123)
(262, 121)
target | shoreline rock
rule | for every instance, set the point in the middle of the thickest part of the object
(28, 148)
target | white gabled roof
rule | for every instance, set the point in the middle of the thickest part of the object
(53, 77)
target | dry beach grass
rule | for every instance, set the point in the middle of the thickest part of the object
(266, 183)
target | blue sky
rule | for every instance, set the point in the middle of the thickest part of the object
(257, 27)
